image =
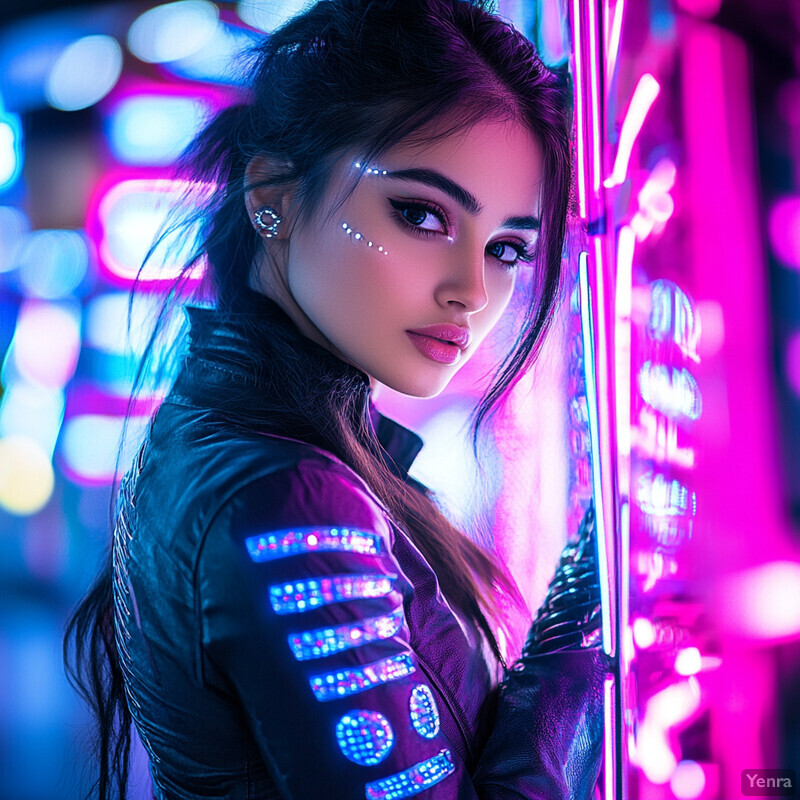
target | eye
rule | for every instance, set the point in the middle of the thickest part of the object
(422, 217)
(509, 253)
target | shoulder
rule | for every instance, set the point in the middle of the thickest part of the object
(200, 470)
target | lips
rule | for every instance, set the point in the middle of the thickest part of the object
(442, 343)
(447, 334)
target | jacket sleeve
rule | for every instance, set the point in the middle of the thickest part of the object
(301, 611)
(301, 605)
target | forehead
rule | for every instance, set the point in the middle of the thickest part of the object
(498, 161)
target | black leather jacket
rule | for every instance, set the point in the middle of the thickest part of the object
(281, 637)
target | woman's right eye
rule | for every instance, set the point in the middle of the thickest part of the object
(419, 216)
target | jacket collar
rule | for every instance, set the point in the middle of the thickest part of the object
(234, 363)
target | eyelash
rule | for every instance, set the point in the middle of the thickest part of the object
(524, 254)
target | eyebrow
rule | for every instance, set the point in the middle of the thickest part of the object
(430, 177)
(522, 223)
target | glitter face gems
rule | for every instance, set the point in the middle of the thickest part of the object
(365, 737)
(372, 170)
(359, 237)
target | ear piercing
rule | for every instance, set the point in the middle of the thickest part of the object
(360, 238)
(267, 228)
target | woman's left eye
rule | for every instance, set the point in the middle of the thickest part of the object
(508, 253)
(421, 217)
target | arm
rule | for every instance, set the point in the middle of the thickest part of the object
(301, 610)
(548, 735)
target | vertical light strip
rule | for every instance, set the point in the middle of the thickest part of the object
(612, 44)
(626, 244)
(612, 743)
(579, 95)
(595, 93)
(592, 412)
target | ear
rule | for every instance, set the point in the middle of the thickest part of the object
(257, 194)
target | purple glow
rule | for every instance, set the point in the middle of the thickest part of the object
(764, 601)
(644, 96)
(644, 633)
(688, 661)
(784, 230)
(793, 362)
(701, 8)
(47, 343)
(658, 752)
(125, 217)
(688, 780)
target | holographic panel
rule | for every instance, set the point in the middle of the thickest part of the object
(365, 737)
(344, 682)
(324, 641)
(293, 598)
(293, 541)
(413, 780)
(424, 714)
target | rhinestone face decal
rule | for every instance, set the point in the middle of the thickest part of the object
(365, 737)
(293, 541)
(423, 710)
(413, 780)
(344, 682)
(294, 598)
(359, 237)
(324, 641)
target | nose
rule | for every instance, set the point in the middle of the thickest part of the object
(464, 281)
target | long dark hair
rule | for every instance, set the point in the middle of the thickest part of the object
(354, 76)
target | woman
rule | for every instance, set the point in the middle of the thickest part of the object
(293, 617)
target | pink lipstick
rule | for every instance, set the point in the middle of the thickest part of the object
(442, 343)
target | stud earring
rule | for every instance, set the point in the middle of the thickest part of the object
(268, 229)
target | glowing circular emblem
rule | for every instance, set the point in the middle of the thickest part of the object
(424, 714)
(365, 737)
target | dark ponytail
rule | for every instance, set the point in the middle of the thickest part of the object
(354, 76)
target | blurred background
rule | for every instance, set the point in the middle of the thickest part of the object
(688, 194)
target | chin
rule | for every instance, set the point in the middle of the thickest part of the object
(416, 386)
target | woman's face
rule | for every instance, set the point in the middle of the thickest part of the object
(410, 274)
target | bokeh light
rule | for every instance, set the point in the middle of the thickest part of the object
(10, 148)
(125, 221)
(688, 661)
(221, 59)
(84, 73)
(52, 263)
(154, 128)
(784, 230)
(174, 30)
(26, 475)
(34, 412)
(267, 15)
(14, 227)
(47, 342)
(688, 781)
(763, 602)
